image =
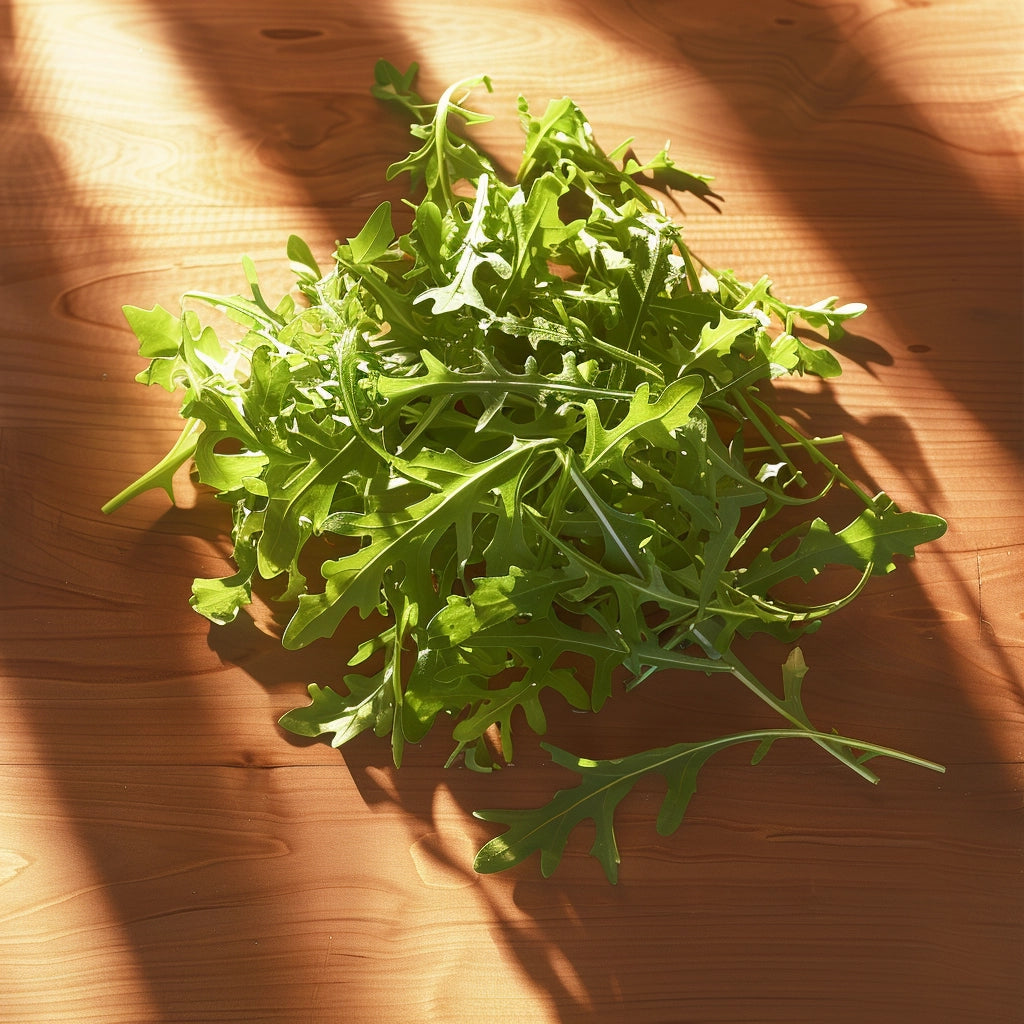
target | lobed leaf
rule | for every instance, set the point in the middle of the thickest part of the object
(870, 542)
(602, 787)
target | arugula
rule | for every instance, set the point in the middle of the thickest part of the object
(539, 430)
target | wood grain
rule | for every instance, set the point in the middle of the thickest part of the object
(168, 855)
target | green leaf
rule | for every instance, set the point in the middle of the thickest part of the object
(880, 533)
(161, 335)
(226, 472)
(300, 496)
(716, 343)
(440, 380)
(368, 705)
(394, 86)
(402, 538)
(162, 474)
(375, 238)
(645, 420)
(462, 289)
(494, 600)
(444, 157)
(496, 706)
(788, 354)
(869, 542)
(517, 613)
(303, 261)
(158, 331)
(664, 174)
(219, 600)
(603, 785)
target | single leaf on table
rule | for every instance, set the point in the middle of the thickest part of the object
(603, 785)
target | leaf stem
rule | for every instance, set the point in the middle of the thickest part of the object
(583, 486)
(833, 746)
(815, 454)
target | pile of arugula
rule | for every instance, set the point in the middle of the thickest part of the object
(535, 427)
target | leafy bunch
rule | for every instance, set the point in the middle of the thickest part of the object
(534, 429)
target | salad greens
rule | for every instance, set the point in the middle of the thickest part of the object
(531, 440)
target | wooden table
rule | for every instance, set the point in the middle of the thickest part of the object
(168, 854)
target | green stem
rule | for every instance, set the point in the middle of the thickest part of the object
(775, 446)
(833, 745)
(812, 451)
(556, 505)
(761, 449)
(583, 486)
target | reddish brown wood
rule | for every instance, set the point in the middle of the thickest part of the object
(168, 855)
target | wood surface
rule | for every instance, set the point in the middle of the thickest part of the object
(167, 854)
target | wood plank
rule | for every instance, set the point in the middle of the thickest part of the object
(167, 854)
(305, 894)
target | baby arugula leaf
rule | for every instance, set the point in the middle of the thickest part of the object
(369, 704)
(602, 787)
(870, 542)
(531, 443)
